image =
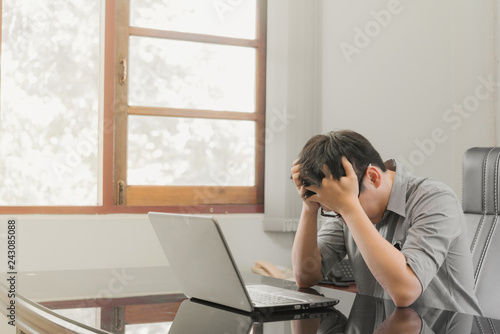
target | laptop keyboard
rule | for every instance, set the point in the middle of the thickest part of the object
(259, 297)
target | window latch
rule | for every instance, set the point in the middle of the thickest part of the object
(120, 193)
(123, 79)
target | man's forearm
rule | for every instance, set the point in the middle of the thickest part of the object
(306, 258)
(387, 264)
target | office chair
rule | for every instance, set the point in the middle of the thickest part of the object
(481, 206)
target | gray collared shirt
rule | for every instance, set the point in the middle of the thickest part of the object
(425, 221)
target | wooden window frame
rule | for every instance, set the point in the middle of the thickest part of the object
(203, 199)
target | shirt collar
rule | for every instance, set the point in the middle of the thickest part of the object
(397, 199)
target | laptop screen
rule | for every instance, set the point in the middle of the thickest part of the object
(198, 254)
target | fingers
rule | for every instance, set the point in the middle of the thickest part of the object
(313, 188)
(295, 174)
(349, 170)
(296, 169)
(304, 192)
(326, 171)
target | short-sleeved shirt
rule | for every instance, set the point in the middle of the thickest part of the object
(423, 219)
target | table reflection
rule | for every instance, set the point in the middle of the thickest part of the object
(196, 317)
(151, 303)
(370, 315)
(193, 317)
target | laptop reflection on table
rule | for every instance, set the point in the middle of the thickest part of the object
(196, 317)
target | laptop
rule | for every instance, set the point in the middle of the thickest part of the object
(205, 269)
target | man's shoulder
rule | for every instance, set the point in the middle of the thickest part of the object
(420, 186)
(430, 192)
(428, 197)
(425, 185)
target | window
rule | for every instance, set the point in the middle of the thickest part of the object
(50, 92)
(190, 103)
(159, 106)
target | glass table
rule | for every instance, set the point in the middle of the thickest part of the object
(148, 300)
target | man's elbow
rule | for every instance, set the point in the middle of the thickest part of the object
(407, 291)
(306, 280)
(405, 298)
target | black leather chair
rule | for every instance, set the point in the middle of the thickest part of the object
(481, 206)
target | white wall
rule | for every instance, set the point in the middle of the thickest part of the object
(72, 242)
(398, 85)
(293, 103)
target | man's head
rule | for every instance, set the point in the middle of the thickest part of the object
(328, 150)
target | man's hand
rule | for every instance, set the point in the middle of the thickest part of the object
(306, 257)
(337, 195)
(301, 189)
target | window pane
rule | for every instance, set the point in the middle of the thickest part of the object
(214, 17)
(185, 151)
(89, 316)
(178, 74)
(159, 327)
(49, 102)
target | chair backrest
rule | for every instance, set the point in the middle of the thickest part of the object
(480, 202)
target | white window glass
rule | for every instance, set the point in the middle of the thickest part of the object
(179, 74)
(194, 152)
(154, 328)
(234, 18)
(50, 102)
(90, 316)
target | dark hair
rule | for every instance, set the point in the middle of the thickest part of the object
(328, 149)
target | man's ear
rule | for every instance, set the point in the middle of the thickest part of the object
(373, 174)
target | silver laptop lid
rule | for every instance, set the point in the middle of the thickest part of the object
(200, 259)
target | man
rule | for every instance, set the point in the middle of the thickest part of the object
(404, 235)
